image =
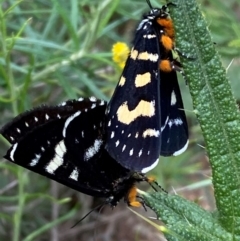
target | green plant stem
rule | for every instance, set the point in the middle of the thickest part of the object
(6, 56)
(44, 228)
(21, 204)
(98, 22)
(54, 67)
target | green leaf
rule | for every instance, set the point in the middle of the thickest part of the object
(185, 220)
(215, 107)
(219, 118)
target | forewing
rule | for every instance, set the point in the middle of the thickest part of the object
(133, 115)
(26, 122)
(50, 150)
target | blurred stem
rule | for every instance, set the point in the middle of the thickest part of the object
(6, 54)
(54, 67)
(21, 204)
(97, 23)
(48, 226)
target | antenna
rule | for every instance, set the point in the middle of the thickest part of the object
(149, 4)
(99, 206)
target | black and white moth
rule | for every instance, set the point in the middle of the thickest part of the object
(145, 116)
(65, 143)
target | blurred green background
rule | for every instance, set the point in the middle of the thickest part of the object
(53, 50)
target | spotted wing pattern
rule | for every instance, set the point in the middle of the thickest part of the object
(139, 127)
(65, 143)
